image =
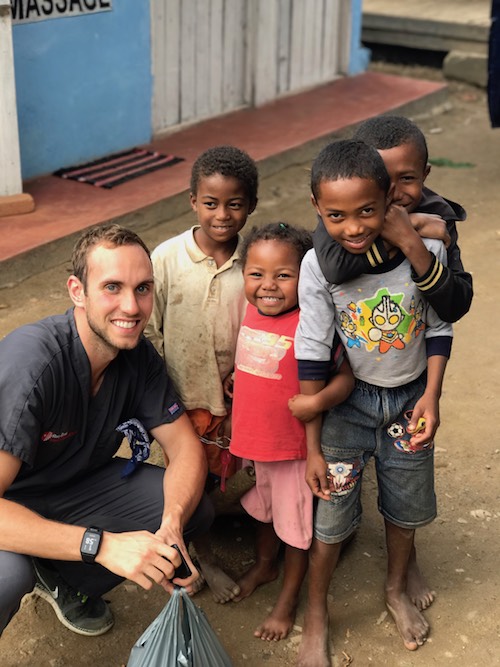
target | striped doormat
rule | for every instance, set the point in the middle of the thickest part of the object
(118, 168)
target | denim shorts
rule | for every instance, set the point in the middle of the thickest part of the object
(372, 422)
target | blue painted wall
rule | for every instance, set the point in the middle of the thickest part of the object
(360, 55)
(83, 86)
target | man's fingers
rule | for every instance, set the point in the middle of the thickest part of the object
(142, 581)
(160, 570)
(167, 585)
(168, 553)
(165, 566)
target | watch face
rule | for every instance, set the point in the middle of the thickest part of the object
(90, 543)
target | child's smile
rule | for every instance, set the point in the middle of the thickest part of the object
(408, 172)
(353, 211)
(222, 207)
(271, 275)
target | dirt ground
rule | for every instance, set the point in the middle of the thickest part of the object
(458, 552)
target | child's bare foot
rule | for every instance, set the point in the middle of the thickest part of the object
(278, 624)
(199, 583)
(313, 651)
(223, 588)
(257, 575)
(410, 623)
(419, 592)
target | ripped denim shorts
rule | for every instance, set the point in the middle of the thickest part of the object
(372, 422)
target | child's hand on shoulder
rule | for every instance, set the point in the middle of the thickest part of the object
(304, 407)
(431, 226)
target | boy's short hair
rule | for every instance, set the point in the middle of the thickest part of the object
(298, 237)
(110, 234)
(384, 132)
(345, 159)
(228, 161)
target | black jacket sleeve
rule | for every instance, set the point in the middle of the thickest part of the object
(337, 265)
(448, 289)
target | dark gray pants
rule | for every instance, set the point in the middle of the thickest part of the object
(102, 499)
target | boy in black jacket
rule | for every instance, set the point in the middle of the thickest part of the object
(403, 148)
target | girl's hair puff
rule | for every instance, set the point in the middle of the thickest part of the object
(299, 238)
(230, 162)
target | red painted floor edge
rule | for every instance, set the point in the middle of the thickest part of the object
(64, 207)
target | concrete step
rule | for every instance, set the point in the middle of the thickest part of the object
(459, 28)
(425, 34)
(446, 25)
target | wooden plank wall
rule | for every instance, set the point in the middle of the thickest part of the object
(214, 56)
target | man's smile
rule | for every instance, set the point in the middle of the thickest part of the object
(125, 324)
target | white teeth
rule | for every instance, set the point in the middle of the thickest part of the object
(123, 324)
(272, 299)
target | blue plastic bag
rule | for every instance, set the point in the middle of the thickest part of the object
(180, 636)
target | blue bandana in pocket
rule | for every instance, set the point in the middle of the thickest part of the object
(139, 442)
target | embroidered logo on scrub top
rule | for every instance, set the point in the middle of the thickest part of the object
(50, 436)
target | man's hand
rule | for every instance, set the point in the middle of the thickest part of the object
(141, 557)
(169, 537)
(304, 406)
(316, 476)
(183, 485)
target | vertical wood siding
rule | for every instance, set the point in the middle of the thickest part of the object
(213, 56)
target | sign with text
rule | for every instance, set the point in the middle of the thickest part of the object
(28, 11)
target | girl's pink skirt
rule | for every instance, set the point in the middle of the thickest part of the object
(282, 497)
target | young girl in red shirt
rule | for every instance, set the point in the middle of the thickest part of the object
(267, 414)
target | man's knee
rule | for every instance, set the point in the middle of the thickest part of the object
(16, 579)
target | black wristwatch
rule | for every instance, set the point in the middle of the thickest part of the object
(91, 542)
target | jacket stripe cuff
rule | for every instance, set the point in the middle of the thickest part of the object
(431, 278)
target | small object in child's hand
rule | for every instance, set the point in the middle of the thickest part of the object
(419, 427)
(183, 571)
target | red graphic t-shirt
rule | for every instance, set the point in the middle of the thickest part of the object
(266, 377)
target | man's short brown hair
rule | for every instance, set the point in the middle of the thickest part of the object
(110, 234)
